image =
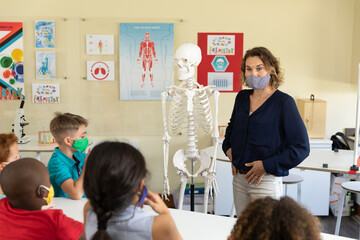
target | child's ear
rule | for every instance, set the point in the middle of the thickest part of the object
(141, 185)
(67, 141)
(42, 192)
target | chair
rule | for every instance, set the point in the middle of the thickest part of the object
(293, 179)
(352, 186)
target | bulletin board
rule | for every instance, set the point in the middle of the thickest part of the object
(221, 60)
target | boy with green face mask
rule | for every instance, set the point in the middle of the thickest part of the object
(66, 164)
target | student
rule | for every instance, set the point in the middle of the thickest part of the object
(9, 151)
(270, 219)
(114, 185)
(27, 188)
(66, 163)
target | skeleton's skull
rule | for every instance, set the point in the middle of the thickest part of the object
(187, 57)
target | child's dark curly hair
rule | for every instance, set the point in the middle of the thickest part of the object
(270, 219)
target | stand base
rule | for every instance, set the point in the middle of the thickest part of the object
(354, 168)
(24, 140)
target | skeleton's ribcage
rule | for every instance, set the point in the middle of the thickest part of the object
(201, 111)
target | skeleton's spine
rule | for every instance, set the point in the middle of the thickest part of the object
(192, 147)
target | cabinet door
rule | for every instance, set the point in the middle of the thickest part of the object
(315, 191)
(224, 200)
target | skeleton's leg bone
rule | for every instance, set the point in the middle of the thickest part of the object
(182, 191)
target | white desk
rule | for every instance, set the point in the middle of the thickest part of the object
(191, 225)
(338, 162)
(33, 146)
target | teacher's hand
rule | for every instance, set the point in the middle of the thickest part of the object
(234, 170)
(256, 172)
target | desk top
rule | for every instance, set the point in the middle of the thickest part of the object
(33, 146)
(338, 162)
(207, 226)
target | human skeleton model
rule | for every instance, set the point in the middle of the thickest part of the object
(147, 51)
(190, 101)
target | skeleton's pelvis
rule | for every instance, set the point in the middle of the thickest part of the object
(180, 158)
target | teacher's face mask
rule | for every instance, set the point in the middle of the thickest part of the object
(258, 82)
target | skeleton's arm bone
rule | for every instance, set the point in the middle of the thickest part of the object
(215, 135)
(166, 141)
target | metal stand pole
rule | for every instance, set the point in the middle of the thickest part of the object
(192, 190)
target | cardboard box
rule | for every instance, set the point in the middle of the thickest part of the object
(347, 208)
(313, 113)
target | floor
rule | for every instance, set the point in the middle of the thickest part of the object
(349, 226)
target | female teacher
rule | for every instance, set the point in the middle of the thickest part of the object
(266, 135)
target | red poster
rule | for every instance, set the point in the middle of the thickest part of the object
(221, 60)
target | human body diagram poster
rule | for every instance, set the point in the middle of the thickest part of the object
(146, 60)
(11, 61)
(221, 60)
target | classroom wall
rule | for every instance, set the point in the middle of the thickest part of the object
(317, 42)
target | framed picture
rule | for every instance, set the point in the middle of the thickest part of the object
(46, 139)
(222, 130)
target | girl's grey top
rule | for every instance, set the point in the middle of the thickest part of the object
(131, 223)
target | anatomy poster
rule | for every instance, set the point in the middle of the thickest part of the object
(146, 60)
(221, 60)
(100, 71)
(45, 65)
(100, 44)
(45, 93)
(11, 61)
(44, 34)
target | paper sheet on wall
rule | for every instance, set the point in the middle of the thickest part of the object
(45, 93)
(100, 44)
(100, 71)
(45, 65)
(44, 34)
(11, 61)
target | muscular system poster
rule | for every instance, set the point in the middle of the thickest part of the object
(146, 60)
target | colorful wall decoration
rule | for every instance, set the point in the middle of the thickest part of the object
(11, 61)
(45, 93)
(45, 65)
(44, 34)
(221, 60)
(100, 44)
(100, 71)
(146, 60)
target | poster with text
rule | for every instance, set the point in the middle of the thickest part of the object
(11, 61)
(100, 71)
(44, 34)
(45, 93)
(45, 65)
(146, 60)
(221, 60)
(100, 44)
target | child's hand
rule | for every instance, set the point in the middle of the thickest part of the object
(156, 203)
(87, 156)
(2, 165)
(50, 205)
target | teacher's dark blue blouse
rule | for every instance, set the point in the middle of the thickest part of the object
(274, 133)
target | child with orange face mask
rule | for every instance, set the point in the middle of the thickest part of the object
(27, 188)
(9, 151)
